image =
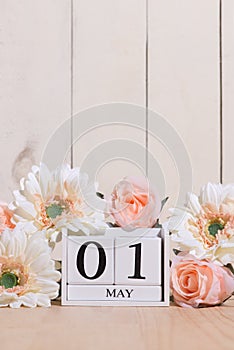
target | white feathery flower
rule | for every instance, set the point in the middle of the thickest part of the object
(205, 227)
(58, 201)
(27, 273)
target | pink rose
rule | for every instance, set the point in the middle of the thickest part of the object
(199, 282)
(5, 217)
(134, 203)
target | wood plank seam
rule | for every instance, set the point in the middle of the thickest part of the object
(146, 84)
(221, 87)
(72, 77)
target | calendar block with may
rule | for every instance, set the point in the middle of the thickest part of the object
(126, 265)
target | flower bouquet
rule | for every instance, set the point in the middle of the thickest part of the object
(50, 204)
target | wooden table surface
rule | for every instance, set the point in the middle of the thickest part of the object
(84, 328)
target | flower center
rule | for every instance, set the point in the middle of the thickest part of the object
(54, 210)
(215, 226)
(9, 280)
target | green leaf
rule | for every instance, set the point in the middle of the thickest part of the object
(230, 267)
(110, 224)
(164, 201)
(176, 251)
(157, 224)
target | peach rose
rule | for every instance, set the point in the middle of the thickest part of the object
(5, 217)
(134, 203)
(197, 283)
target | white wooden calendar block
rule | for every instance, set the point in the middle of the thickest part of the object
(90, 260)
(114, 293)
(121, 268)
(138, 261)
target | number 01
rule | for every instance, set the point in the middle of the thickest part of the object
(102, 261)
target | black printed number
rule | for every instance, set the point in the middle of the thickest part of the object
(137, 271)
(101, 263)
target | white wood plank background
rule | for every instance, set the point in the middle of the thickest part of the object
(228, 89)
(184, 87)
(35, 79)
(109, 66)
(58, 58)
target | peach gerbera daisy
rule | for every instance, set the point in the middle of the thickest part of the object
(57, 201)
(27, 273)
(205, 226)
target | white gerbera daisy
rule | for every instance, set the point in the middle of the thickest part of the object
(27, 273)
(205, 227)
(57, 201)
